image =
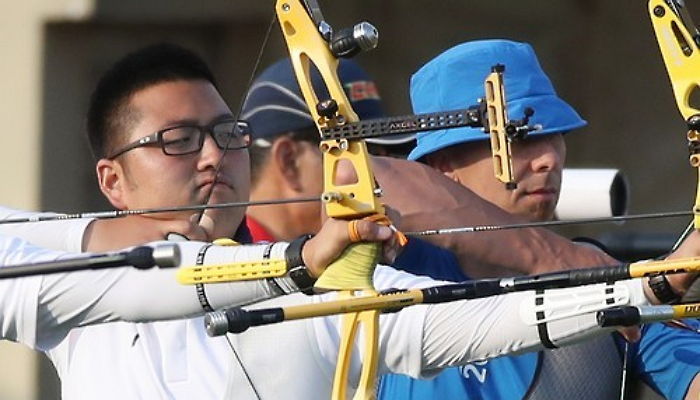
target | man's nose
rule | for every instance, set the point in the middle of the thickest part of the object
(547, 156)
(210, 154)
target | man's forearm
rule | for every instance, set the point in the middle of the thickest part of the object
(455, 333)
(501, 325)
(507, 252)
(426, 199)
(66, 235)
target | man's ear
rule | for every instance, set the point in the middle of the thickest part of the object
(110, 176)
(284, 153)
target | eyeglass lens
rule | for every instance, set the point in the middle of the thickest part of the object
(229, 135)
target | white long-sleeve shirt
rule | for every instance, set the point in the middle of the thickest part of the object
(293, 360)
(297, 359)
(40, 310)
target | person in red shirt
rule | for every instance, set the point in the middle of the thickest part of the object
(285, 159)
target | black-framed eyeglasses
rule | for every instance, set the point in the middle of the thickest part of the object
(189, 138)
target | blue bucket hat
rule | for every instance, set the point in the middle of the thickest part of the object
(275, 105)
(455, 80)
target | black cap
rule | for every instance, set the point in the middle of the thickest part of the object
(275, 105)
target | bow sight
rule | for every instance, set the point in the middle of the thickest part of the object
(489, 113)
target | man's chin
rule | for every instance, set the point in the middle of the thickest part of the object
(222, 222)
(544, 216)
(539, 213)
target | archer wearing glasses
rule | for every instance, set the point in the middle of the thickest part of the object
(187, 139)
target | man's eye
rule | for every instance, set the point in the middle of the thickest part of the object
(181, 141)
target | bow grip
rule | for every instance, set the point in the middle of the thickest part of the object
(353, 270)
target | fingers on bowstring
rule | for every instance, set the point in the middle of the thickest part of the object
(393, 215)
(364, 230)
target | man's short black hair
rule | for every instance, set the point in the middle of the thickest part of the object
(109, 116)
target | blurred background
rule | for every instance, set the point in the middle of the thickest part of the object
(601, 56)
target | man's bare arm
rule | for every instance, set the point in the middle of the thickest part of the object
(427, 199)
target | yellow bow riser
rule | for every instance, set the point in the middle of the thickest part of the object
(308, 50)
(355, 268)
(682, 59)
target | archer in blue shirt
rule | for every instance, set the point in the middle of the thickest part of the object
(665, 357)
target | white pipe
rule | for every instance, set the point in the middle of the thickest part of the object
(592, 193)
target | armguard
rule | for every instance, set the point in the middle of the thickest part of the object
(562, 304)
(557, 304)
(232, 272)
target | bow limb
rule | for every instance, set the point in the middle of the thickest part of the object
(678, 38)
(354, 269)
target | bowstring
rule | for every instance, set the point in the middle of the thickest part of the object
(220, 164)
(683, 236)
(540, 224)
(241, 103)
